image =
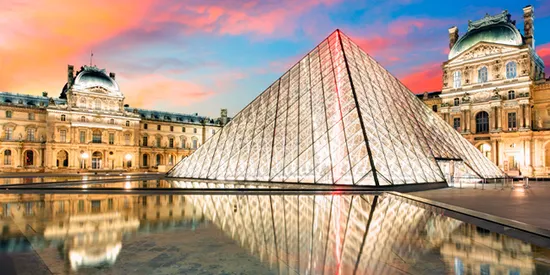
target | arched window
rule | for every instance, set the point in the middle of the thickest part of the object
(457, 101)
(7, 157)
(511, 95)
(482, 75)
(63, 118)
(511, 70)
(457, 79)
(145, 161)
(82, 119)
(482, 122)
(434, 108)
(195, 142)
(29, 158)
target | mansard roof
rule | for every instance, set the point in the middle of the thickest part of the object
(173, 117)
(25, 100)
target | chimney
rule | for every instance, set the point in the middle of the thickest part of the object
(70, 75)
(112, 75)
(223, 116)
(453, 36)
(45, 94)
(529, 26)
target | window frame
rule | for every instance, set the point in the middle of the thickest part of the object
(457, 79)
(511, 70)
(482, 75)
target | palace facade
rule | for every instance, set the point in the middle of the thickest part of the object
(495, 93)
(88, 127)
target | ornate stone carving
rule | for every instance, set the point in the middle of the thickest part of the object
(482, 50)
(503, 17)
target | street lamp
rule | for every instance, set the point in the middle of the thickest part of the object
(84, 156)
(128, 158)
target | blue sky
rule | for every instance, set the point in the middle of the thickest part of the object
(199, 56)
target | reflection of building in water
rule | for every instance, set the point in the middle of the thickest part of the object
(474, 250)
(88, 228)
(328, 234)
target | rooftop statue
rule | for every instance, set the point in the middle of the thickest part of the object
(503, 17)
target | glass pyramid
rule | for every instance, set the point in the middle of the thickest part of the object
(336, 117)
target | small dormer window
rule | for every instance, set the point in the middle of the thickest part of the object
(511, 94)
(511, 70)
(456, 101)
(482, 75)
(457, 79)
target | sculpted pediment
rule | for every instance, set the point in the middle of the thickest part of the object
(483, 49)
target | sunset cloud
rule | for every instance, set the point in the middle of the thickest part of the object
(183, 55)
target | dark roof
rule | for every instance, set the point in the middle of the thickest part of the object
(434, 94)
(27, 100)
(173, 117)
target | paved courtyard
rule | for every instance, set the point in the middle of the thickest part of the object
(529, 205)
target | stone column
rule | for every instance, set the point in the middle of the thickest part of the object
(494, 153)
(499, 118)
(467, 121)
(520, 116)
(527, 116)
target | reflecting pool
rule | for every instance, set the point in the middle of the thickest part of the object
(249, 234)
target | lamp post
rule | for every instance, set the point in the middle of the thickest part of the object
(83, 156)
(128, 158)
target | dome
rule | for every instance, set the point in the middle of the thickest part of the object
(504, 33)
(90, 77)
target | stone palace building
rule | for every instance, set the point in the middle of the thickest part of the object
(495, 93)
(90, 128)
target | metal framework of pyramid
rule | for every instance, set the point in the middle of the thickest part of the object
(336, 117)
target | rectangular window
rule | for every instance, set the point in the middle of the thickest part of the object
(8, 114)
(456, 123)
(158, 127)
(63, 136)
(9, 133)
(30, 134)
(195, 130)
(31, 116)
(171, 143)
(144, 141)
(213, 132)
(111, 138)
(127, 139)
(158, 141)
(512, 122)
(171, 128)
(82, 137)
(96, 137)
(195, 144)
(183, 129)
(145, 126)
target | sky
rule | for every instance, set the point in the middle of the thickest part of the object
(198, 56)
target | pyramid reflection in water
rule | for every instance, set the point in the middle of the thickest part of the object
(336, 117)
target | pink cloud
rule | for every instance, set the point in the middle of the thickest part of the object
(544, 53)
(424, 78)
(153, 90)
